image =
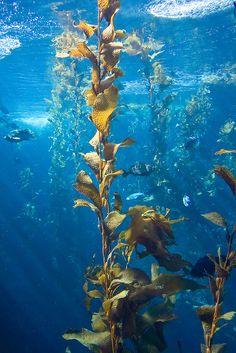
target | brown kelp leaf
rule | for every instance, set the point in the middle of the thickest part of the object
(227, 316)
(88, 30)
(206, 314)
(153, 231)
(227, 176)
(108, 8)
(80, 202)
(83, 51)
(117, 202)
(99, 322)
(95, 140)
(107, 303)
(86, 187)
(94, 294)
(94, 341)
(110, 149)
(110, 58)
(94, 162)
(131, 276)
(107, 180)
(108, 35)
(107, 82)
(215, 348)
(223, 151)
(172, 284)
(215, 218)
(104, 106)
(90, 96)
(113, 220)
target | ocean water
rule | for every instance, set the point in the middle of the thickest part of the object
(46, 244)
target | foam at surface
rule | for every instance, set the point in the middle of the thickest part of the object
(186, 8)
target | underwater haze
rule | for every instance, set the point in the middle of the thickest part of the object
(176, 100)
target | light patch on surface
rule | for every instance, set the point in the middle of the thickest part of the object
(186, 8)
(36, 121)
(7, 44)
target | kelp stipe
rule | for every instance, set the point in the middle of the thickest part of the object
(121, 289)
(211, 315)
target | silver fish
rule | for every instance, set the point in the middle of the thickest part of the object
(186, 201)
(135, 196)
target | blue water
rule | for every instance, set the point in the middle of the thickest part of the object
(46, 245)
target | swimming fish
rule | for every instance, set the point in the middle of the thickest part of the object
(186, 201)
(19, 135)
(205, 266)
(191, 142)
(135, 196)
(140, 169)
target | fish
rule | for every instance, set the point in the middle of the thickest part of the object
(191, 142)
(186, 201)
(135, 196)
(205, 266)
(19, 135)
(140, 169)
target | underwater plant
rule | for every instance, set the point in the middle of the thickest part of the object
(124, 320)
(211, 315)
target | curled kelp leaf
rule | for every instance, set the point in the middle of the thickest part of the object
(227, 176)
(94, 162)
(104, 106)
(109, 34)
(215, 348)
(94, 341)
(99, 322)
(154, 232)
(131, 276)
(110, 149)
(95, 140)
(117, 202)
(90, 96)
(113, 220)
(83, 51)
(108, 8)
(88, 29)
(82, 203)
(107, 180)
(215, 218)
(206, 314)
(110, 58)
(86, 187)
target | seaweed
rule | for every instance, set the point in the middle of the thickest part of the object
(211, 315)
(123, 291)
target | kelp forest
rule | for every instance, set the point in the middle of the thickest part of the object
(132, 291)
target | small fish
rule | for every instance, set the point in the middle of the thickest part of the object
(19, 135)
(191, 142)
(186, 201)
(205, 266)
(140, 169)
(135, 196)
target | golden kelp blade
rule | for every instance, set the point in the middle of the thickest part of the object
(215, 348)
(215, 218)
(86, 187)
(223, 151)
(110, 149)
(90, 96)
(82, 203)
(104, 106)
(95, 341)
(83, 51)
(117, 202)
(111, 58)
(227, 176)
(113, 220)
(88, 30)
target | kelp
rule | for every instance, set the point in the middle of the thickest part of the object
(122, 292)
(211, 315)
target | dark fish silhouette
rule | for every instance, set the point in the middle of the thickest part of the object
(205, 267)
(191, 142)
(140, 169)
(19, 135)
